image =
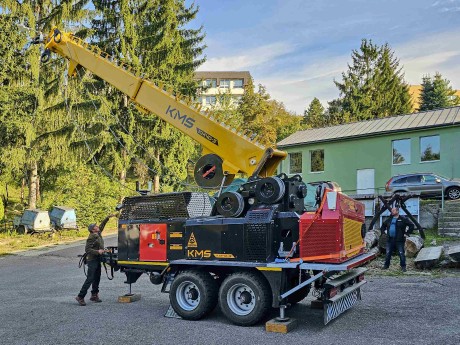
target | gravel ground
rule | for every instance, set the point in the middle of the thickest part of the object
(38, 288)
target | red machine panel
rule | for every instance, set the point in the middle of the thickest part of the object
(153, 242)
(334, 234)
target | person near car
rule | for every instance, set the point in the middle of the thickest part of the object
(94, 249)
(397, 228)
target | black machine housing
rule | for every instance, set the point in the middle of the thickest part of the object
(257, 223)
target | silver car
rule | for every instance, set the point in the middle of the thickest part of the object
(428, 184)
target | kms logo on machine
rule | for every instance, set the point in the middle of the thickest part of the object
(194, 253)
(176, 115)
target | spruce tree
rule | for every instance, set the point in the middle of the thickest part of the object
(373, 87)
(314, 116)
(437, 93)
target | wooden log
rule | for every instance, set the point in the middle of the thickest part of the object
(371, 238)
(413, 245)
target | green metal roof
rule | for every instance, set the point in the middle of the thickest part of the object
(399, 123)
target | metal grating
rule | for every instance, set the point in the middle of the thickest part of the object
(260, 216)
(320, 239)
(171, 205)
(334, 309)
(255, 241)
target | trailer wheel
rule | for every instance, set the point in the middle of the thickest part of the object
(193, 294)
(245, 298)
(22, 230)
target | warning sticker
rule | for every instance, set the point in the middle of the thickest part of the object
(192, 241)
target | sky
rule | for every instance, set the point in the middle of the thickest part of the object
(296, 48)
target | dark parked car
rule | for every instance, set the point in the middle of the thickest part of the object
(427, 184)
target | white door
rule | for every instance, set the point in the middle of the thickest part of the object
(365, 182)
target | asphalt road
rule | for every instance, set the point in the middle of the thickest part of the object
(38, 288)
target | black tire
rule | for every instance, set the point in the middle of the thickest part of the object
(453, 193)
(230, 204)
(193, 294)
(21, 230)
(245, 298)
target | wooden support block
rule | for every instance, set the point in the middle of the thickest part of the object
(428, 257)
(317, 304)
(128, 298)
(276, 326)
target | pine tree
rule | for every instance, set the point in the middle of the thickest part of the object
(373, 87)
(169, 51)
(314, 116)
(437, 93)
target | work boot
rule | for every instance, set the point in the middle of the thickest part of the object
(95, 298)
(80, 300)
(403, 269)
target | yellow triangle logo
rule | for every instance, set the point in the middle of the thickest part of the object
(192, 241)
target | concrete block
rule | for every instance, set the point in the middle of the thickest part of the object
(428, 257)
(276, 326)
(129, 298)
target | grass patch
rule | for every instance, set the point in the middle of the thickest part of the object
(432, 238)
(10, 243)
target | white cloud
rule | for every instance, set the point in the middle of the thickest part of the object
(249, 58)
(419, 57)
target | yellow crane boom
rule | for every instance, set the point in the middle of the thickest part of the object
(227, 152)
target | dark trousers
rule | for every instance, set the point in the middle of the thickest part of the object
(391, 245)
(93, 278)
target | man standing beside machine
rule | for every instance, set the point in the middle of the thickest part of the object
(93, 250)
(395, 229)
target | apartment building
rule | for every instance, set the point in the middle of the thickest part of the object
(222, 86)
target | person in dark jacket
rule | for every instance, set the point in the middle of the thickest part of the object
(94, 249)
(396, 229)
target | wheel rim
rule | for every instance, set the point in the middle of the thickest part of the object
(454, 193)
(241, 299)
(188, 296)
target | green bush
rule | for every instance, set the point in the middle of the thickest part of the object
(91, 194)
(2, 209)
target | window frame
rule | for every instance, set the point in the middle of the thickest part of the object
(238, 80)
(311, 165)
(290, 161)
(224, 86)
(212, 85)
(210, 97)
(420, 146)
(410, 152)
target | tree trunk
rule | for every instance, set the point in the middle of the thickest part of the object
(23, 185)
(156, 178)
(413, 245)
(33, 175)
(38, 196)
(123, 171)
(371, 238)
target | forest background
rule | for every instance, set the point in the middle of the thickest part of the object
(79, 142)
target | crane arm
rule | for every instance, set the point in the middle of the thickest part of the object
(227, 151)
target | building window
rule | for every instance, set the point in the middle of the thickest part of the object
(401, 151)
(317, 160)
(208, 83)
(430, 148)
(210, 100)
(295, 163)
(237, 99)
(224, 83)
(238, 83)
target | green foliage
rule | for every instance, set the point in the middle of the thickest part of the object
(93, 196)
(314, 116)
(373, 87)
(437, 93)
(264, 117)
